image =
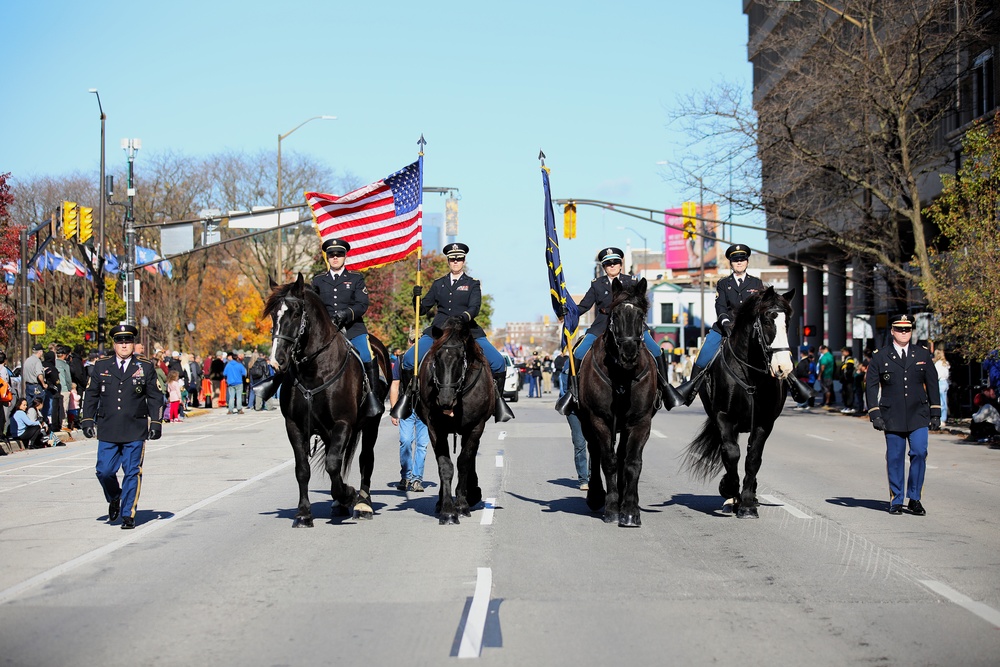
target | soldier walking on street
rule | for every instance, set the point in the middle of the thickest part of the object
(125, 406)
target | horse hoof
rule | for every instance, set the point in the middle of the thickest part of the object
(727, 507)
(629, 521)
(747, 513)
(302, 522)
(466, 512)
(611, 518)
(595, 499)
(448, 520)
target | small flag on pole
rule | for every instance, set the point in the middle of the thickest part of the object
(561, 298)
(381, 221)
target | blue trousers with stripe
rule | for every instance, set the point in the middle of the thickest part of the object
(125, 455)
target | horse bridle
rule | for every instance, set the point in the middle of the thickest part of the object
(456, 386)
(758, 335)
(624, 339)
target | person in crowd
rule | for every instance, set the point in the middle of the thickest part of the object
(599, 296)
(534, 373)
(560, 371)
(826, 369)
(193, 376)
(456, 295)
(33, 373)
(902, 389)
(581, 459)
(985, 424)
(730, 293)
(8, 377)
(802, 373)
(65, 381)
(943, 369)
(73, 408)
(413, 440)
(124, 407)
(77, 368)
(24, 428)
(35, 412)
(859, 385)
(847, 372)
(547, 369)
(345, 296)
(259, 370)
(52, 407)
(174, 387)
(217, 367)
(234, 372)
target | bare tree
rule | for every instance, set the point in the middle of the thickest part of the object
(846, 125)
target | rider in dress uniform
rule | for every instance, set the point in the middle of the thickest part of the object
(345, 296)
(457, 294)
(124, 407)
(601, 294)
(730, 293)
(901, 386)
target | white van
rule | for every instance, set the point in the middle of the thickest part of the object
(511, 381)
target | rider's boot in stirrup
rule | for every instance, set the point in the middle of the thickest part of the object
(568, 401)
(404, 402)
(372, 406)
(671, 398)
(687, 391)
(268, 387)
(502, 411)
(800, 391)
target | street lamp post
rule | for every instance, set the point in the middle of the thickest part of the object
(130, 146)
(280, 234)
(102, 306)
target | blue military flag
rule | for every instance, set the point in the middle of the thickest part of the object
(561, 298)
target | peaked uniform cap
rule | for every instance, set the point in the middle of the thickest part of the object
(609, 253)
(336, 244)
(123, 330)
(455, 250)
(903, 321)
(742, 251)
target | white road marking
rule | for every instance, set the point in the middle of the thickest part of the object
(983, 611)
(488, 505)
(502, 436)
(499, 460)
(475, 623)
(135, 535)
(819, 437)
(657, 433)
(788, 508)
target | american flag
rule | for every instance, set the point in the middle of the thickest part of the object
(381, 221)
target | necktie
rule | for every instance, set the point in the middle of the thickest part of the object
(739, 282)
(122, 364)
(902, 356)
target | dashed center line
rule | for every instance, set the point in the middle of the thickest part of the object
(488, 506)
(657, 433)
(788, 508)
(983, 611)
(499, 460)
(475, 623)
(819, 437)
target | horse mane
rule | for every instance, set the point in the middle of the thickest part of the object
(313, 303)
(756, 304)
(630, 296)
(457, 326)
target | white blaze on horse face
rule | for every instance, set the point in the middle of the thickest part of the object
(781, 362)
(277, 326)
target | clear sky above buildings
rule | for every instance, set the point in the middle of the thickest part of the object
(487, 84)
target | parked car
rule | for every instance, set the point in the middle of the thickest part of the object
(512, 383)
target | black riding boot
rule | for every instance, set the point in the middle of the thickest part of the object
(372, 406)
(502, 411)
(404, 402)
(568, 401)
(800, 391)
(687, 391)
(268, 387)
(671, 398)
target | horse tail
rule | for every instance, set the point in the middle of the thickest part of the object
(703, 457)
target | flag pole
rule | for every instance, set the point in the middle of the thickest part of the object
(420, 249)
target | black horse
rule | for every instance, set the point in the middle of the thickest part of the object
(322, 392)
(744, 392)
(456, 396)
(618, 396)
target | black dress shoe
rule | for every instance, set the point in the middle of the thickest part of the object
(128, 523)
(114, 509)
(916, 508)
(893, 509)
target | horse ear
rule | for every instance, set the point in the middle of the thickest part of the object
(270, 283)
(787, 296)
(616, 286)
(640, 286)
(297, 285)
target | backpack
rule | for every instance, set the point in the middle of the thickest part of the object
(259, 369)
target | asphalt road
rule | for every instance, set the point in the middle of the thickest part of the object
(216, 575)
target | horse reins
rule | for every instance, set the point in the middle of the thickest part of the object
(751, 390)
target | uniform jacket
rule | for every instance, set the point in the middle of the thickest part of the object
(906, 397)
(122, 404)
(729, 297)
(347, 291)
(601, 296)
(463, 299)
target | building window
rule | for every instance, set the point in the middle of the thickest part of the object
(983, 90)
(666, 313)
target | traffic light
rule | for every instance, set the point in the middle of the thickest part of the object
(569, 221)
(809, 331)
(69, 219)
(688, 212)
(89, 336)
(86, 223)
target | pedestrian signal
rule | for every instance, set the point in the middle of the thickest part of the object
(86, 223)
(809, 331)
(69, 220)
(89, 336)
(569, 221)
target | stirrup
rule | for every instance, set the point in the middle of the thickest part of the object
(501, 411)
(671, 397)
(800, 391)
(268, 387)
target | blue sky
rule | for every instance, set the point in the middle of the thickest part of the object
(487, 84)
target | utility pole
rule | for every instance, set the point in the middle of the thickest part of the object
(130, 146)
(102, 305)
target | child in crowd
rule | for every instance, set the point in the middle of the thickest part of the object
(174, 395)
(73, 408)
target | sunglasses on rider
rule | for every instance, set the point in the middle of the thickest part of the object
(124, 339)
(456, 259)
(336, 253)
(902, 329)
(612, 262)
